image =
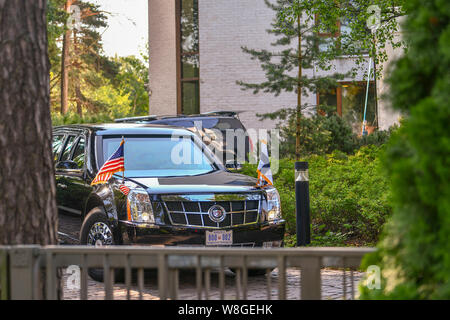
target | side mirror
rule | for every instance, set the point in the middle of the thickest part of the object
(67, 165)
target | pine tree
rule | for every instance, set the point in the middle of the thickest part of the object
(81, 49)
(299, 50)
(414, 253)
(28, 212)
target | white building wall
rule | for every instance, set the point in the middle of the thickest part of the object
(225, 26)
(386, 115)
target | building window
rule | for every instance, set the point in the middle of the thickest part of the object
(342, 30)
(188, 57)
(349, 99)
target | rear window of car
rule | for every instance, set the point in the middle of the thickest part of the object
(225, 124)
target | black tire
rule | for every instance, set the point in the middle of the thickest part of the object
(96, 218)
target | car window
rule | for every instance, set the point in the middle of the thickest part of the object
(225, 124)
(57, 144)
(160, 156)
(188, 123)
(78, 155)
(68, 148)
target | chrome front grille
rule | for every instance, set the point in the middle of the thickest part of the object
(195, 213)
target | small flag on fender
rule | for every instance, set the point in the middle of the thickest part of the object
(264, 172)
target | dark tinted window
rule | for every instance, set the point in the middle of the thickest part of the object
(68, 148)
(225, 124)
(189, 123)
(57, 144)
(207, 123)
(78, 155)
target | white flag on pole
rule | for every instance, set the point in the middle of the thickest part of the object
(264, 172)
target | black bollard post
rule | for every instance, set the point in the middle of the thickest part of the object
(302, 203)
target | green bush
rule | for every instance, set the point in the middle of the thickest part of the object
(414, 253)
(348, 195)
(73, 118)
(321, 133)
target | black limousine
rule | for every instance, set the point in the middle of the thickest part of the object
(176, 191)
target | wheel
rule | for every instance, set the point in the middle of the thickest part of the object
(96, 231)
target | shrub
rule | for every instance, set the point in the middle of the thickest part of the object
(414, 253)
(321, 133)
(348, 194)
(73, 118)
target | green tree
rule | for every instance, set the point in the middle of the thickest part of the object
(349, 21)
(300, 49)
(414, 254)
(28, 212)
(131, 78)
(94, 84)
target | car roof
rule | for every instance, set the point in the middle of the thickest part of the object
(201, 116)
(126, 128)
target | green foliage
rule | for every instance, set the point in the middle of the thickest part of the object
(56, 18)
(280, 66)
(74, 118)
(357, 40)
(131, 79)
(321, 239)
(414, 253)
(111, 87)
(321, 133)
(349, 196)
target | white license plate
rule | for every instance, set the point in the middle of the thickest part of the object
(219, 237)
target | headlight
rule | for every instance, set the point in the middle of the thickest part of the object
(139, 207)
(273, 204)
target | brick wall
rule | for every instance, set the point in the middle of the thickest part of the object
(225, 26)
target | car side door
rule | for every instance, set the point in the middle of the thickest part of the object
(77, 184)
(61, 168)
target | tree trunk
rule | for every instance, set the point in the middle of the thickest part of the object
(76, 79)
(65, 62)
(28, 213)
(299, 93)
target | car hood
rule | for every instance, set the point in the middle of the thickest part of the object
(215, 182)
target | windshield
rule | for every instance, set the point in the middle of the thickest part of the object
(160, 156)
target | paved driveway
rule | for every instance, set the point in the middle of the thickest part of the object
(332, 284)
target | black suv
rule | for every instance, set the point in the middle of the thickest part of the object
(222, 131)
(176, 191)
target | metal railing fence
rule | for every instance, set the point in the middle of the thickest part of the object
(23, 269)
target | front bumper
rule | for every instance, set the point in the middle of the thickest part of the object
(249, 235)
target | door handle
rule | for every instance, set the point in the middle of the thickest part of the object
(62, 186)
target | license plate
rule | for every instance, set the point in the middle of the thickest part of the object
(219, 237)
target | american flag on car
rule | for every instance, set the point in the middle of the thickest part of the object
(114, 164)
